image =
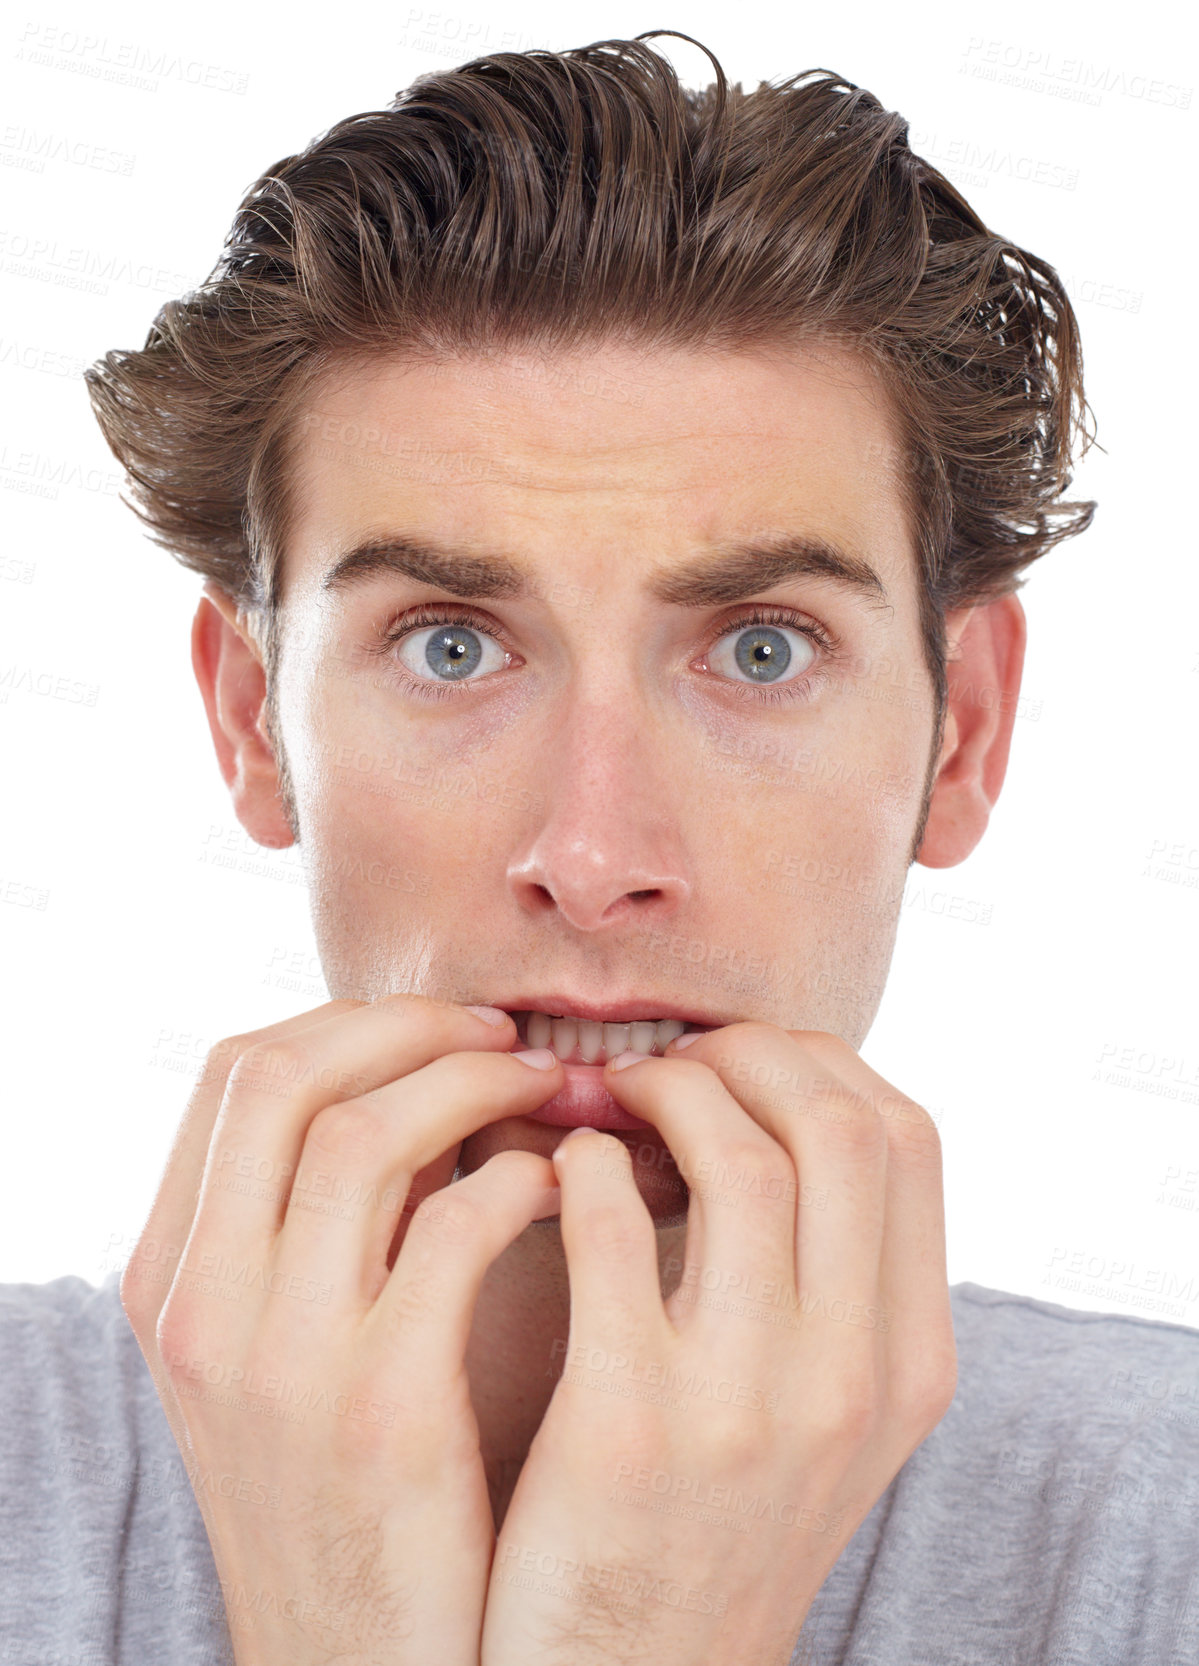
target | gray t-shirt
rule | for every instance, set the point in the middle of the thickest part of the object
(1050, 1519)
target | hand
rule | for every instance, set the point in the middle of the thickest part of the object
(704, 1461)
(321, 1402)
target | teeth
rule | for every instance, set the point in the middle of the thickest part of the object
(595, 1042)
(616, 1039)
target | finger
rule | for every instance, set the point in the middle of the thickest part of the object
(914, 1283)
(148, 1276)
(360, 1156)
(741, 1213)
(151, 1270)
(821, 1104)
(276, 1088)
(871, 1241)
(430, 1295)
(610, 1243)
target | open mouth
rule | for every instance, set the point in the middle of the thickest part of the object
(588, 1041)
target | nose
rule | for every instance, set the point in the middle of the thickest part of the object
(608, 847)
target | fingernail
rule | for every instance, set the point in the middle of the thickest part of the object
(539, 1058)
(582, 1129)
(489, 1015)
(622, 1061)
(681, 1041)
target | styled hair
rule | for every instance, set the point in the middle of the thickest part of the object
(553, 200)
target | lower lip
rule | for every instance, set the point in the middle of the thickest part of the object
(584, 1103)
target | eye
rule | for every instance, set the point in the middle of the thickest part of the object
(758, 648)
(771, 648)
(450, 651)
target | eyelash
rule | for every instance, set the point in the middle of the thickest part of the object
(438, 613)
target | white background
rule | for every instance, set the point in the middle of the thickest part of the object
(1046, 1016)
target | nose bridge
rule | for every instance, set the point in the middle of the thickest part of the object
(607, 839)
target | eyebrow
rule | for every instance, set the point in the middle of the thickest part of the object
(732, 572)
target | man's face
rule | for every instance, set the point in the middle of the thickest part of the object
(590, 790)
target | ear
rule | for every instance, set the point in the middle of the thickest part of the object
(986, 660)
(229, 670)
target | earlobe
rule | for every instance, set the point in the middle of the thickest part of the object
(229, 670)
(984, 673)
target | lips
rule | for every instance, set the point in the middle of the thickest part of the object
(576, 1031)
(585, 1102)
(650, 1009)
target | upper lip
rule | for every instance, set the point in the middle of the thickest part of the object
(611, 1012)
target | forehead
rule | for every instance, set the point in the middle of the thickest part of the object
(584, 455)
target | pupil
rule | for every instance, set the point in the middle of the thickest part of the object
(763, 653)
(453, 651)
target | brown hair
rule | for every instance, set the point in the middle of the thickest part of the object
(556, 199)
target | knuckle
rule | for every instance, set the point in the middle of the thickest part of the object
(915, 1135)
(612, 1233)
(511, 1166)
(855, 1422)
(764, 1157)
(823, 1044)
(861, 1133)
(411, 1305)
(450, 1217)
(752, 1030)
(460, 1075)
(351, 1129)
(410, 1006)
(851, 1418)
(690, 1073)
(401, 998)
(221, 1059)
(229, 1048)
(751, 1039)
(267, 1063)
(924, 1395)
(733, 1440)
(177, 1335)
(136, 1299)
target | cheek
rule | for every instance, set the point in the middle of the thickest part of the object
(802, 850)
(821, 818)
(385, 827)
